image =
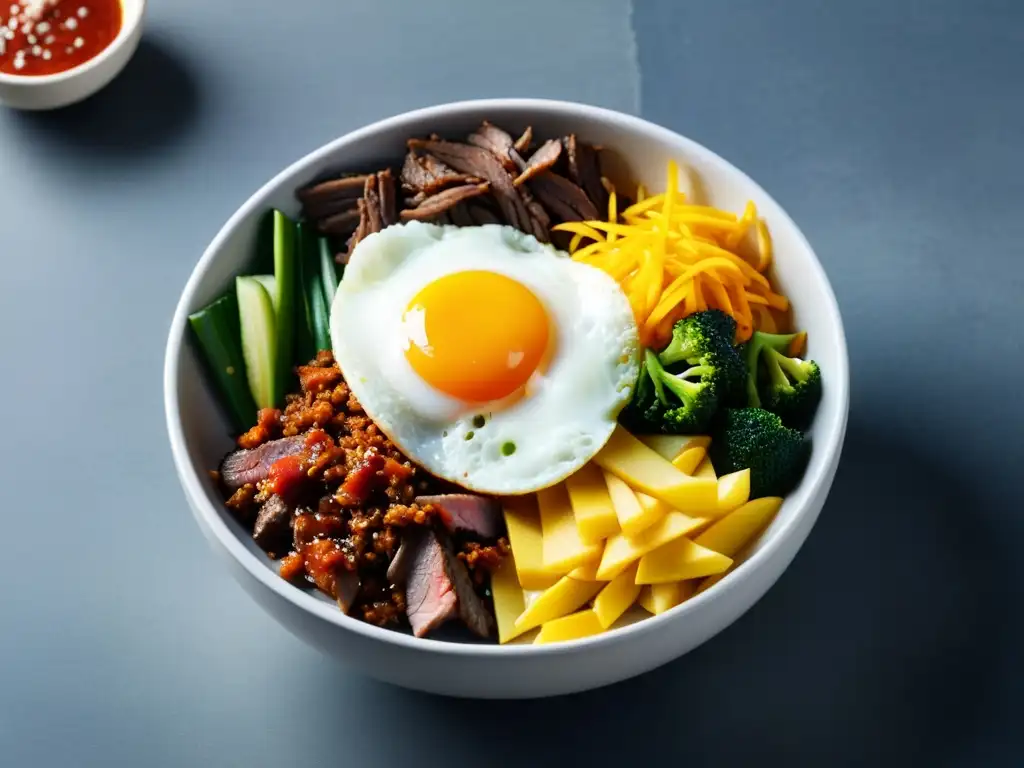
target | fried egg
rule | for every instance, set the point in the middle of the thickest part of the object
(491, 360)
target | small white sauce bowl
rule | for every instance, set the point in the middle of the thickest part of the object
(81, 82)
(200, 436)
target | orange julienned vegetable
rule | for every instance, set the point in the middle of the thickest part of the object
(673, 258)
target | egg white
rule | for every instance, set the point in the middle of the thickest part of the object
(569, 407)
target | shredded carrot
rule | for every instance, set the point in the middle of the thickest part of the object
(673, 257)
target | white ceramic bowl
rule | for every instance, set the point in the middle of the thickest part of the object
(199, 435)
(81, 82)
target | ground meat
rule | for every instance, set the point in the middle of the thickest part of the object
(243, 500)
(401, 515)
(352, 492)
(482, 560)
(268, 426)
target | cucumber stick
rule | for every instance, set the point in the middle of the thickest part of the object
(286, 280)
(304, 338)
(259, 340)
(269, 282)
(328, 271)
(217, 332)
(317, 307)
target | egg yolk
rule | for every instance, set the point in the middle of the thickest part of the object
(477, 336)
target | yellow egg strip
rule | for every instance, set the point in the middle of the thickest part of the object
(673, 257)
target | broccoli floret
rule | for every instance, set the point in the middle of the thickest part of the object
(755, 439)
(779, 382)
(705, 339)
(680, 403)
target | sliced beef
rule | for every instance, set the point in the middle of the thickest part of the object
(374, 209)
(427, 174)
(250, 465)
(341, 223)
(567, 201)
(585, 170)
(460, 216)
(273, 528)
(467, 512)
(349, 187)
(541, 160)
(398, 570)
(496, 141)
(522, 144)
(430, 598)
(346, 587)
(483, 163)
(439, 587)
(437, 204)
(481, 214)
(361, 231)
(540, 222)
(386, 190)
(330, 207)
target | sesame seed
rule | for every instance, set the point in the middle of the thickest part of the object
(47, 55)
(15, 10)
(19, 63)
(43, 27)
(13, 24)
(83, 12)
(49, 39)
(31, 39)
(3, 46)
(79, 42)
(71, 24)
(36, 50)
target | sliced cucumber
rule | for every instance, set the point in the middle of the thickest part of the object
(304, 338)
(285, 274)
(269, 282)
(217, 332)
(259, 340)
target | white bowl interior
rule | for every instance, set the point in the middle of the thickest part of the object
(645, 148)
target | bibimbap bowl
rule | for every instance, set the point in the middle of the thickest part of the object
(201, 433)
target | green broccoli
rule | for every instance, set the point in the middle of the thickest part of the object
(705, 339)
(755, 439)
(681, 403)
(785, 385)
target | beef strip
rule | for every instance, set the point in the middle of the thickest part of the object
(585, 170)
(251, 465)
(496, 141)
(563, 198)
(345, 187)
(329, 207)
(481, 214)
(398, 569)
(439, 587)
(346, 588)
(541, 160)
(481, 162)
(273, 528)
(343, 223)
(460, 216)
(467, 512)
(426, 174)
(386, 190)
(522, 144)
(374, 211)
(361, 231)
(540, 222)
(437, 204)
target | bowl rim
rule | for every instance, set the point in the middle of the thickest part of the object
(190, 478)
(128, 28)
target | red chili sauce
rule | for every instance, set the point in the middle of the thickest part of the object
(43, 37)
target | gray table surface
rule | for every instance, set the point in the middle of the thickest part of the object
(892, 131)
